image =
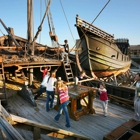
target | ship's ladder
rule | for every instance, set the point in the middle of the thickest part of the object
(3, 95)
(68, 71)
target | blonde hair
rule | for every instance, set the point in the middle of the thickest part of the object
(61, 85)
(53, 74)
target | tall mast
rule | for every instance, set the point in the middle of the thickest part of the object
(30, 34)
(30, 25)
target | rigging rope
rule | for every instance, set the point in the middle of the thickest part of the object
(91, 23)
(67, 20)
(40, 26)
(2, 32)
(100, 11)
(40, 19)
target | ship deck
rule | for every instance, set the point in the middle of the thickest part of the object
(30, 61)
(95, 126)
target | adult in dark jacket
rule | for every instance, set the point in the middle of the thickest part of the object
(82, 76)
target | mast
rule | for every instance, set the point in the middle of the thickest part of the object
(32, 40)
(30, 25)
(30, 45)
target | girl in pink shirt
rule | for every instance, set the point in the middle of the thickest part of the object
(62, 90)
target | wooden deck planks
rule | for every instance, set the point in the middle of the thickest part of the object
(94, 126)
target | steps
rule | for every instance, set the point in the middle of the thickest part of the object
(68, 71)
(3, 96)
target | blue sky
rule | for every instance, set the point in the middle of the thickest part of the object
(120, 17)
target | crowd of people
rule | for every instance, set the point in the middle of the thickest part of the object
(52, 86)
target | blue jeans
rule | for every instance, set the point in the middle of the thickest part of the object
(42, 89)
(63, 107)
(49, 100)
(105, 107)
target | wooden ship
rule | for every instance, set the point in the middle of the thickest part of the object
(108, 59)
(100, 52)
(22, 117)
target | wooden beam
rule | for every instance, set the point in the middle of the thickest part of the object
(46, 129)
(122, 101)
(36, 133)
(10, 48)
(7, 131)
(38, 128)
(81, 81)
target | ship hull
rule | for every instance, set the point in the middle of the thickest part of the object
(101, 56)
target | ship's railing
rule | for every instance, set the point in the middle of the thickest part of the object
(122, 40)
(93, 29)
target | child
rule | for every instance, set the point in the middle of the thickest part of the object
(103, 98)
(42, 86)
(44, 72)
(62, 90)
(66, 51)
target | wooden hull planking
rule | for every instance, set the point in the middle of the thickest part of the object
(102, 57)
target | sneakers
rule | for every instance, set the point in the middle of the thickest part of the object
(35, 98)
(68, 126)
(56, 120)
(51, 108)
(47, 110)
(105, 114)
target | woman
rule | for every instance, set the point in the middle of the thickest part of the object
(137, 99)
(50, 91)
(62, 90)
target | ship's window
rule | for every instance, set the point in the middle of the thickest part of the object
(112, 56)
